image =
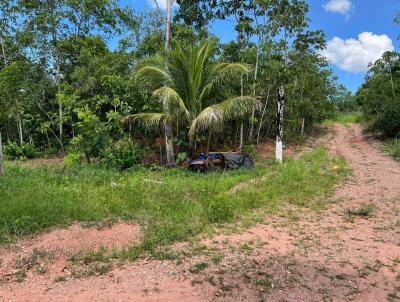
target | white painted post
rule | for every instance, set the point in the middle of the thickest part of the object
(279, 124)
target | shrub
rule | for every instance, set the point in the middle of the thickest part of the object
(388, 122)
(121, 155)
(93, 134)
(16, 151)
(393, 148)
(73, 158)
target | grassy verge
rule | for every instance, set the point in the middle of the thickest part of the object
(171, 205)
(346, 118)
(392, 147)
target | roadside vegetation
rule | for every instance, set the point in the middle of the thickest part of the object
(392, 147)
(379, 100)
(164, 91)
(170, 205)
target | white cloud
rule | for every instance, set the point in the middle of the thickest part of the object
(342, 7)
(161, 4)
(354, 55)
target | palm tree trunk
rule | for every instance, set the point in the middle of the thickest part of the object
(1, 158)
(169, 147)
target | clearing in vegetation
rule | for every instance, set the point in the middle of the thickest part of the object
(171, 205)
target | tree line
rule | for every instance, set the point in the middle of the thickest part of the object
(101, 81)
(379, 96)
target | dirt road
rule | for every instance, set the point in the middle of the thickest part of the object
(347, 252)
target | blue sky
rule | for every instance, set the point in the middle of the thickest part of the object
(358, 32)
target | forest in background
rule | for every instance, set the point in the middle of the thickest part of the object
(63, 89)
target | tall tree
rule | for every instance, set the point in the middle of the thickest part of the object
(168, 127)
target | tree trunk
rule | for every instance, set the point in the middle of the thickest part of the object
(20, 132)
(169, 148)
(302, 126)
(241, 138)
(3, 52)
(51, 130)
(254, 90)
(241, 125)
(60, 108)
(1, 158)
(262, 115)
(168, 24)
(391, 81)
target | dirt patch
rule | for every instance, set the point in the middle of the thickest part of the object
(45, 257)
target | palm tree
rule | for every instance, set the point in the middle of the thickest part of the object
(190, 89)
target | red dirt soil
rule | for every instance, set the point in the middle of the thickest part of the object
(322, 256)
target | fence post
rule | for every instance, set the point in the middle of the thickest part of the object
(279, 124)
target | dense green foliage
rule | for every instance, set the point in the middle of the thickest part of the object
(63, 87)
(379, 96)
(170, 204)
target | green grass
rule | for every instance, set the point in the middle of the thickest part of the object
(170, 205)
(346, 118)
(392, 147)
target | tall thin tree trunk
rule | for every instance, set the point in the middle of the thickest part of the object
(391, 81)
(262, 115)
(241, 138)
(169, 147)
(3, 50)
(241, 125)
(1, 157)
(254, 90)
(60, 107)
(20, 132)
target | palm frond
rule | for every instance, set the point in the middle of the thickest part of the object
(223, 70)
(172, 102)
(214, 116)
(149, 120)
(153, 75)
